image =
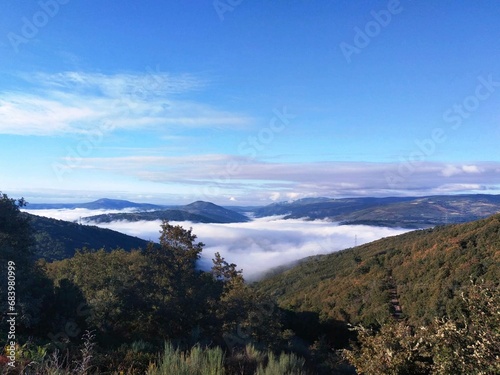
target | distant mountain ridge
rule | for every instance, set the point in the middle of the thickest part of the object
(406, 212)
(197, 212)
(100, 204)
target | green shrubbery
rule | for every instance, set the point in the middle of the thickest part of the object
(469, 345)
(198, 361)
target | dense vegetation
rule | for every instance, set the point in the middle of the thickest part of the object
(151, 311)
(59, 239)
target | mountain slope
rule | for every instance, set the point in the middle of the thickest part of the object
(58, 239)
(406, 212)
(426, 267)
(216, 213)
(197, 212)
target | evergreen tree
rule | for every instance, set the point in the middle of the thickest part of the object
(29, 288)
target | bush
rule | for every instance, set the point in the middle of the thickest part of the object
(286, 364)
(208, 361)
(469, 345)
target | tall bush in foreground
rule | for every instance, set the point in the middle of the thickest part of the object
(197, 362)
(470, 345)
(288, 364)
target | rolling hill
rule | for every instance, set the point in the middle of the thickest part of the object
(100, 204)
(58, 239)
(197, 212)
(423, 271)
(405, 212)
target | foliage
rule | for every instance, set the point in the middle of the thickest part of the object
(197, 362)
(469, 345)
(288, 364)
(35, 360)
(30, 289)
(58, 239)
(396, 349)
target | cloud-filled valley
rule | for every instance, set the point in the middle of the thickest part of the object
(256, 246)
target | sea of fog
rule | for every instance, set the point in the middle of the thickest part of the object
(256, 246)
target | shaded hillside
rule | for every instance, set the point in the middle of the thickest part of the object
(58, 239)
(215, 213)
(427, 268)
(197, 212)
(406, 212)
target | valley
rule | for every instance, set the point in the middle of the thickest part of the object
(315, 278)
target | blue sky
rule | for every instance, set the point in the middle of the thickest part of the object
(248, 103)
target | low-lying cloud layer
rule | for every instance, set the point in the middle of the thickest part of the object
(256, 246)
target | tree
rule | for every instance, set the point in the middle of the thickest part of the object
(15, 232)
(174, 289)
(223, 271)
(112, 287)
(395, 350)
(470, 345)
(246, 318)
(30, 289)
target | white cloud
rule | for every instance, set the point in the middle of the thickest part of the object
(254, 181)
(451, 170)
(73, 214)
(471, 169)
(77, 102)
(263, 244)
(256, 246)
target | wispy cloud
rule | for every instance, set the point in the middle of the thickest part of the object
(147, 84)
(75, 102)
(284, 181)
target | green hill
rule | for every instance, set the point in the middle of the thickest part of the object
(58, 239)
(422, 272)
(196, 212)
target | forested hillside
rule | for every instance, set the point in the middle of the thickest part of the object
(59, 239)
(428, 268)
